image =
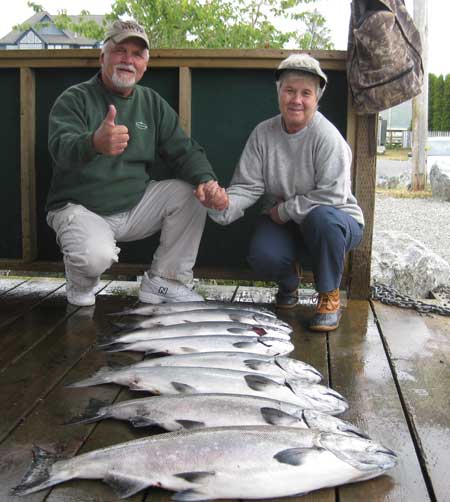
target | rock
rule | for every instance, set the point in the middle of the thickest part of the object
(407, 265)
(390, 182)
(440, 180)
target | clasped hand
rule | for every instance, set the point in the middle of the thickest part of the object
(212, 195)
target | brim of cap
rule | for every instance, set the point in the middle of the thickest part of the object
(323, 81)
(124, 36)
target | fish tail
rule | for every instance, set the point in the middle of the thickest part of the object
(105, 341)
(122, 312)
(96, 410)
(115, 347)
(38, 475)
(124, 327)
(102, 376)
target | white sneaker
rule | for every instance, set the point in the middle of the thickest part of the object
(81, 297)
(156, 289)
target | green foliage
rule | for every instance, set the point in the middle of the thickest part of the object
(215, 23)
(438, 102)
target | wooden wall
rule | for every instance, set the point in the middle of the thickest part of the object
(220, 96)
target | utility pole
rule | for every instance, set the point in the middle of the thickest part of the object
(420, 104)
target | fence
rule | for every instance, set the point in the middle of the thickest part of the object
(220, 96)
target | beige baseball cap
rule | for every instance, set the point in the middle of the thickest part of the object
(121, 30)
(304, 63)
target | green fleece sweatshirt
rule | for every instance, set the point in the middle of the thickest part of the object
(112, 184)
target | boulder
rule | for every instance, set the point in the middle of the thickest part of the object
(407, 265)
(440, 180)
(390, 182)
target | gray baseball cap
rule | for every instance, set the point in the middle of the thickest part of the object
(304, 63)
(121, 30)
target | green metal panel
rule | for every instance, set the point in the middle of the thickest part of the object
(226, 105)
(10, 221)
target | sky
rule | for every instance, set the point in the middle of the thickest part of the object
(336, 12)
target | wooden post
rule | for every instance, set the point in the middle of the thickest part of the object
(185, 99)
(420, 104)
(364, 189)
(27, 163)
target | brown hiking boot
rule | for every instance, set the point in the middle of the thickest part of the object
(327, 313)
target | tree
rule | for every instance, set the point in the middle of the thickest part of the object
(317, 35)
(438, 103)
(216, 23)
(63, 21)
(431, 90)
(446, 103)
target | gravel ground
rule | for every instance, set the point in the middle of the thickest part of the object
(426, 220)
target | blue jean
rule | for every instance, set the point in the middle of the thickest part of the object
(319, 243)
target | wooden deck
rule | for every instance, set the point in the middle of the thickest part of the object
(392, 365)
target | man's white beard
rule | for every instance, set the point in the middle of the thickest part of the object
(123, 80)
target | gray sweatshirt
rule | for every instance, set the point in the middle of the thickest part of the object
(303, 170)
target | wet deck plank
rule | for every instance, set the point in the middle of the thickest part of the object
(419, 348)
(56, 345)
(44, 425)
(26, 295)
(361, 372)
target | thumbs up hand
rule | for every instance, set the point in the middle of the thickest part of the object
(109, 138)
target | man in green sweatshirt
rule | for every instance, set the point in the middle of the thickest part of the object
(104, 136)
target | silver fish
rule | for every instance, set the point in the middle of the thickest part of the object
(253, 462)
(169, 308)
(193, 411)
(241, 361)
(213, 343)
(197, 329)
(189, 380)
(208, 315)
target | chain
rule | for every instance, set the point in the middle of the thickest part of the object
(390, 296)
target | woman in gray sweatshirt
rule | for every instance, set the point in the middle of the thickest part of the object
(301, 164)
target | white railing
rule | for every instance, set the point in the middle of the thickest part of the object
(438, 133)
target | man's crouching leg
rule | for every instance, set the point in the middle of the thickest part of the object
(329, 233)
(171, 207)
(89, 248)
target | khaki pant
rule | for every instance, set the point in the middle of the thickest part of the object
(88, 240)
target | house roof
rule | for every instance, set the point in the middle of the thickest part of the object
(65, 37)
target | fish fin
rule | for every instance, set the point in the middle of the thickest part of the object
(293, 456)
(38, 475)
(142, 422)
(125, 486)
(242, 345)
(352, 431)
(92, 413)
(237, 331)
(277, 417)
(254, 364)
(235, 317)
(182, 388)
(259, 382)
(190, 424)
(190, 495)
(195, 476)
